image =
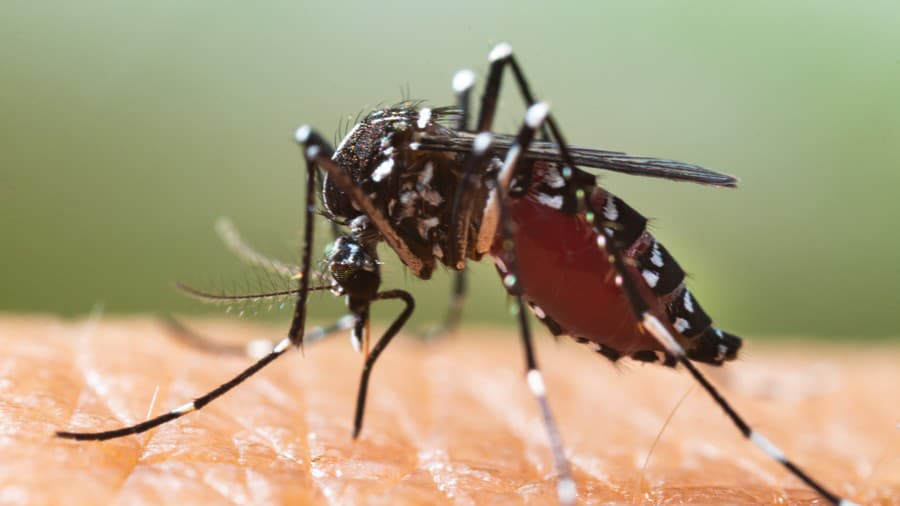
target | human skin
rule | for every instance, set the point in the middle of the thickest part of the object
(447, 423)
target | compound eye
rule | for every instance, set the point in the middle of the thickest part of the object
(341, 272)
(353, 268)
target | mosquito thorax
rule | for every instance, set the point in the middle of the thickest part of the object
(413, 188)
(368, 152)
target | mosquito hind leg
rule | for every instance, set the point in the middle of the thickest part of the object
(497, 205)
(500, 57)
(463, 81)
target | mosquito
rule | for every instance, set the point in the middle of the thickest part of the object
(439, 192)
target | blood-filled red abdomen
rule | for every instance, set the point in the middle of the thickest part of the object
(569, 278)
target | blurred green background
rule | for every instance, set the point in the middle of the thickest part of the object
(129, 128)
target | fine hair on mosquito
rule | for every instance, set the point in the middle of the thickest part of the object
(438, 187)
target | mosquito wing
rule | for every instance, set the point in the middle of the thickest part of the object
(589, 157)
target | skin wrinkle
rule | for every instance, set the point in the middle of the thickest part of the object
(388, 402)
(438, 386)
(242, 455)
(146, 443)
(393, 404)
(82, 362)
(242, 460)
(145, 440)
(223, 491)
(405, 421)
(218, 492)
(644, 419)
(314, 471)
(645, 466)
(267, 437)
(279, 398)
(311, 457)
(498, 475)
(514, 423)
(582, 464)
(305, 389)
(293, 402)
(412, 435)
(75, 345)
(75, 405)
(206, 478)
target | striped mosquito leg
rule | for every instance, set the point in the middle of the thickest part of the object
(187, 407)
(462, 207)
(295, 335)
(310, 152)
(314, 334)
(661, 333)
(534, 118)
(463, 81)
(500, 57)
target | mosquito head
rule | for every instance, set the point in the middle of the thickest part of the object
(354, 271)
